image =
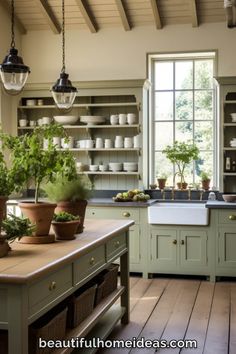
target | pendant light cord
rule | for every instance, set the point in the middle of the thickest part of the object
(13, 24)
(63, 37)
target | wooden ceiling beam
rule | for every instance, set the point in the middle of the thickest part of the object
(48, 15)
(193, 9)
(19, 24)
(156, 14)
(84, 9)
(123, 15)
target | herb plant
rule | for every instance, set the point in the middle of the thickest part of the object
(15, 226)
(204, 176)
(63, 216)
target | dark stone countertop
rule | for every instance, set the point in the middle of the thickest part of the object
(217, 204)
(110, 202)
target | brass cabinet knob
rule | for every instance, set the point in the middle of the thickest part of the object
(174, 242)
(52, 285)
(182, 242)
(117, 244)
(92, 260)
(232, 217)
(126, 214)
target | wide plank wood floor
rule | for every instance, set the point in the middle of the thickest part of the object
(167, 309)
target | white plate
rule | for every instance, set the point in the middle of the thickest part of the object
(90, 120)
(66, 119)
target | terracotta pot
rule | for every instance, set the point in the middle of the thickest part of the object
(206, 184)
(182, 185)
(4, 247)
(161, 183)
(40, 214)
(65, 230)
(3, 209)
(74, 208)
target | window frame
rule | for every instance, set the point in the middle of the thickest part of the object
(175, 56)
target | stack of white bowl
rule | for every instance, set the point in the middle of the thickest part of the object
(130, 166)
(232, 142)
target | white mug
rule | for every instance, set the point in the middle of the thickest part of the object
(56, 140)
(131, 118)
(128, 142)
(99, 143)
(108, 143)
(122, 118)
(46, 120)
(23, 122)
(32, 123)
(114, 119)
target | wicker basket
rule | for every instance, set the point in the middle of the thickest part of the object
(107, 282)
(81, 305)
(51, 326)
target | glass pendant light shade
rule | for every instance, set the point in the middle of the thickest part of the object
(63, 92)
(13, 72)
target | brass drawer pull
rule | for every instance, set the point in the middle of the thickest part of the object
(232, 217)
(52, 285)
(175, 242)
(117, 244)
(92, 261)
(126, 214)
(182, 242)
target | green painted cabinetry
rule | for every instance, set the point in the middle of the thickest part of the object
(138, 233)
(179, 250)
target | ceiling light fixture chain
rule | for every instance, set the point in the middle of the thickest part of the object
(63, 37)
(12, 24)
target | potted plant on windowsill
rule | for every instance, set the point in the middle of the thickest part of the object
(206, 180)
(70, 195)
(161, 179)
(34, 164)
(181, 154)
(65, 225)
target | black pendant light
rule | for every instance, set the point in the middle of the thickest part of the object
(13, 72)
(62, 91)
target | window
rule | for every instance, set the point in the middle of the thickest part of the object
(182, 109)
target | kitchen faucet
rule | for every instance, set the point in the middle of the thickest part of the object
(173, 193)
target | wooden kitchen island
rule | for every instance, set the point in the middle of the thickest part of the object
(35, 278)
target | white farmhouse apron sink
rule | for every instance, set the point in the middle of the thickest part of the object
(178, 214)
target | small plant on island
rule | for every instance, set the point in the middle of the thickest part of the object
(17, 227)
(65, 225)
(63, 216)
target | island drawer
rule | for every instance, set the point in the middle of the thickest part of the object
(115, 246)
(89, 264)
(227, 216)
(49, 288)
(113, 213)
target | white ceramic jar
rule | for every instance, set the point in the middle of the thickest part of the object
(89, 144)
(99, 143)
(56, 140)
(23, 122)
(108, 144)
(46, 120)
(119, 142)
(128, 142)
(122, 118)
(131, 118)
(114, 119)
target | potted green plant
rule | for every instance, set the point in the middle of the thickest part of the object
(34, 164)
(161, 179)
(70, 195)
(181, 154)
(65, 225)
(206, 180)
(14, 227)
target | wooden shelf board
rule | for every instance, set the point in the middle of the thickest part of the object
(87, 325)
(124, 173)
(230, 148)
(103, 149)
(104, 327)
(230, 102)
(229, 173)
(92, 126)
(229, 124)
(84, 105)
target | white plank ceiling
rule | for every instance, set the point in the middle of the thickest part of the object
(97, 14)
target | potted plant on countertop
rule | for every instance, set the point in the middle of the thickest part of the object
(14, 227)
(161, 179)
(206, 180)
(65, 225)
(70, 195)
(181, 154)
(34, 164)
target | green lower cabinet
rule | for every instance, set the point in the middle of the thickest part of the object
(178, 250)
(137, 231)
(226, 251)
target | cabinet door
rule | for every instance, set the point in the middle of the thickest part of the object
(227, 247)
(193, 249)
(134, 244)
(164, 249)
